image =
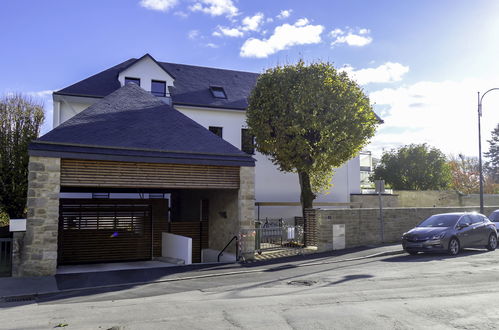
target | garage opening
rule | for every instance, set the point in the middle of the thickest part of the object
(105, 230)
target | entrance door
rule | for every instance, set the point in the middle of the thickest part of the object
(93, 231)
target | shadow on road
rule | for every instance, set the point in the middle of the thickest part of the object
(351, 278)
(426, 257)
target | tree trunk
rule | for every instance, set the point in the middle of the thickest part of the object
(307, 197)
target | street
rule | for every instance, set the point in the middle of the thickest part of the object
(389, 292)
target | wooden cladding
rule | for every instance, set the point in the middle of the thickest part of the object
(90, 173)
(102, 231)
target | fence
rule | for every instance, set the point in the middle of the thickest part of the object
(5, 256)
(270, 236)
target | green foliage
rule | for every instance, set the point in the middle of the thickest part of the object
(309, 119)
(414, 167)
(20, 121)
(492, 166)
(465, 174)
(4, 219)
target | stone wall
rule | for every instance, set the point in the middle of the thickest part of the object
(36, 254)
(363, 227)
(246, 201)
(372, 200)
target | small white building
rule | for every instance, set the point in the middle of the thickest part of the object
(216, 99)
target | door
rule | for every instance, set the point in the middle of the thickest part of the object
(480, 231)
(465, 234)
(92, 231)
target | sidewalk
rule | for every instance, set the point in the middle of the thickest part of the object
(29, 288)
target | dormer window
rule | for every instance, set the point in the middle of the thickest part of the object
(218, 92)
(158, 88)
(129, 80)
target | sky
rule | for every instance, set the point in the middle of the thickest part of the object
(421, 62)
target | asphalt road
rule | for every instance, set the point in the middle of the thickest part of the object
(392, 292)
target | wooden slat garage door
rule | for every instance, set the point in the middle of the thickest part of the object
(93, 231)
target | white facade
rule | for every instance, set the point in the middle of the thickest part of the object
(271, 185)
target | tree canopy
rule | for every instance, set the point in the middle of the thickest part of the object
(414, 167)
(492, 166)
(309, 119)
(20, 121)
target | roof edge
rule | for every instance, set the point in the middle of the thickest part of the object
(153, 59)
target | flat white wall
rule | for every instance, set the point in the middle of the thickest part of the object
(177, 247)
(146, 70)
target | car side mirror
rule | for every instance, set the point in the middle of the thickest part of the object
(463, 225)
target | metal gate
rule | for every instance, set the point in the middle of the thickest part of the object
(5, 256)
(104, 230)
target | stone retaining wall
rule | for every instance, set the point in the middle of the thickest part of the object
(362, 226)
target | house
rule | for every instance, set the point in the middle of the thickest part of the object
(216, 99)
(131, 142)
(143, 154)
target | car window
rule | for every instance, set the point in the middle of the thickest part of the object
(440, 220)
(476, 218)
(494, 216)
(465, 219)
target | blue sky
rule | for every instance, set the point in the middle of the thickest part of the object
(421, 62)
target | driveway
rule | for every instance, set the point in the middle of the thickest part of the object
(401, 291)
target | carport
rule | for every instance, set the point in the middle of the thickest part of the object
(131, 143)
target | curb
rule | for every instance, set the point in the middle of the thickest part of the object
(32, 297)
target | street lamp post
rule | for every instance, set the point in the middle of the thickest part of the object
(480, 169)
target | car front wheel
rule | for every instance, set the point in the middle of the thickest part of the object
(492, 242)
(453, 246)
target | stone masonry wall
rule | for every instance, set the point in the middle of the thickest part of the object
(36, 255)
(246, 200)
(362, 226)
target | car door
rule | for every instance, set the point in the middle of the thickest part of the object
(479, 232)
(464, 231)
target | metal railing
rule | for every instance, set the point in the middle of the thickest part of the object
(5, 256)
(226, 246)
(278, 237)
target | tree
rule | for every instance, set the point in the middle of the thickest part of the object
(492, 166)
(465, 174)
(20, 121)
(414, 167)
(309, 119)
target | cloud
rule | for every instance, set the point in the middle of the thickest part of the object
(211, 45)
(284, 36)
(228, 32)
(357, 38)
(442, 114)
(160, 5)
(193, 34)
(252, 23)
(385, 73)
(284, 13)
(216, 7)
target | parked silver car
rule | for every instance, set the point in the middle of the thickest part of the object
(451, 232)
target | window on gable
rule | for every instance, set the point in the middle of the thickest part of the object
(247, 142)
(218, 92)
(216, 130)
(158, 88)
(129, 80)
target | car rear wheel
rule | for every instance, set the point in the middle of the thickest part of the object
(492, 242)
(453, 246)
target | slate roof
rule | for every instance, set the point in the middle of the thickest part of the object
(131, 124)
(191, 86)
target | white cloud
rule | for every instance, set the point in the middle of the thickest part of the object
(442, 114)
(211, 45)
(357, 38)
(284, 36)
(193, 34)
(253, 23)
(229, 32)
(161, 5)
(215, 7)
(284, 13)
(385, 73)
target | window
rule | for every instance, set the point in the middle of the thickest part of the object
(158, 88)
(247, 142)
(129, 80)
(216, 130)
(218, 92)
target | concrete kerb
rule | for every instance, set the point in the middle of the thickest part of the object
(51, 290)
